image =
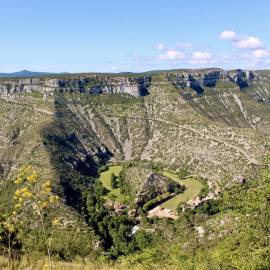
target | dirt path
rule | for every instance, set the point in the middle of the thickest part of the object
(43, 111)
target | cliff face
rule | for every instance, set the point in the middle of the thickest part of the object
(137, 86)
(191, 83)
(199, 81)
(237, 98)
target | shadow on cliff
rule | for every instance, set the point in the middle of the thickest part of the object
(195, 85)
(208, 80)
(70, 155)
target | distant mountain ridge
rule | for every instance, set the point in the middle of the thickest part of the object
(28, 73)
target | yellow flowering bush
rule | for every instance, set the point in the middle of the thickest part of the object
(35, 193)
(8, 237)
(56, 222)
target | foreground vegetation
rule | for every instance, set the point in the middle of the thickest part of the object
(234, 234)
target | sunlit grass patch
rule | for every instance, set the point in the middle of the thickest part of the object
(193, 188)
(105, 178)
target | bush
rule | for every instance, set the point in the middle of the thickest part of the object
(180, 189)
(154, 202)
(204, 191)
(114, 181)
(102, 169)
(183, 171)
(142, 239)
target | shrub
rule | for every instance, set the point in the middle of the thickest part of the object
(114, 183)
(154, 202)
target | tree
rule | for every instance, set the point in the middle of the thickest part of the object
(114, 183)
(183, 171)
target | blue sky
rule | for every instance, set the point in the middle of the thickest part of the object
(118, 35)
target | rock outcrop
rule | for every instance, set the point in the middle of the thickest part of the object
(154, 185)
(191, 83)
(135, 86)
(208, 78)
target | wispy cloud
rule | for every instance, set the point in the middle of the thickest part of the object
(249, 43)
(249, 52)
(171, 55)
(261, 53)
(184, 56)
(184, 45)
(162, 47)
(201, 58)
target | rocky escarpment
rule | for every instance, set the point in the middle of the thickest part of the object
(135, 85)
(93, 84)
(196, 83)
(237, 97)
(201, 79)
(191, 83)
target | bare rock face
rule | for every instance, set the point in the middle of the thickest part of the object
(137, 86)
(196, 80)
(208, 78)
(154, 185)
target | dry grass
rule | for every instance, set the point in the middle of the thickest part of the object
(27, 263)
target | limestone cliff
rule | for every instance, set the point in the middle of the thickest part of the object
(93, 84)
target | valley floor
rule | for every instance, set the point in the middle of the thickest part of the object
(168, 208)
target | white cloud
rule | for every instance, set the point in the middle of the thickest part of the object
(261, 53)
(228, 34)
(165, 47)
(250, 52)
(162, 47)
(171, 55)
(201, 57)
(249, 43)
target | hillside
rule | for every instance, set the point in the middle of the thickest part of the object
(210, 123)
(220, 128)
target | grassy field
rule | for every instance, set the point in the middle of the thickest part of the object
(105, 178)
(193, 188)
